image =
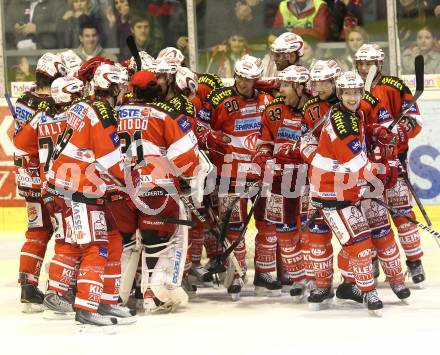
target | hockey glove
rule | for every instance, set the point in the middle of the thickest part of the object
(261, 159)
(288, 155)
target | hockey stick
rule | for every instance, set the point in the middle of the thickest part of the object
(419, 69)
(11, 105)
(131, 43)
(310, 221)
(408, 218)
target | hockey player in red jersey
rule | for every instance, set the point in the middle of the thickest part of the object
(234, 115)
(336, 162)
(39, 231)
(38, 138)
(393, 96)
(323, 81)
(277, 215)
(90, 141)
(168, 151)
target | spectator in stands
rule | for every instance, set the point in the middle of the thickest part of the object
(147, 38)
(29, 24)
(426, 45)
(119, 23)
(309, 52)
(23, 71)
(224, 56)
(304, 17)
(355, 38)
(346, 14)
(89, 41)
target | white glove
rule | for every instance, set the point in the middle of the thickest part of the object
(308, 146)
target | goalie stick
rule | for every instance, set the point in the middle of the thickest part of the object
(131, 44)
(408, 218)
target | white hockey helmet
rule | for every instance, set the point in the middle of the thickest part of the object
(294, 74)
(71, 61)
(186, 80)
(62, 89)
(350, 80)
(51, 65)
(325, 70)
(164, 66)
(146, 62)
(249, 67)
(171, 54)
(108, 74)
(288, 42)
(370, 52)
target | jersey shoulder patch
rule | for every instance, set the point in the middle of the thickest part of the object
(165, 108)
(309, 102)
(344, 123)
(211, 80)
(372, 100)
(216, 97)
(105, 112)
(393, 82)
(276, 101)
(182, 105)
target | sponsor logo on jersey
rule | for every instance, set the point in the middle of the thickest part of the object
(204, 115)
(128, 112)
(383, 115)
(247, 124)
(292, 123)
(238, 156)
(103, 252)
(78, 109)
(23, 113)
(411, 105)
(115, 139)
(290, 134)
(248, 110)
(184, 124)
(355, 146)
(393, 82)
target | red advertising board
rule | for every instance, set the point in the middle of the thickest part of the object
(8, 189)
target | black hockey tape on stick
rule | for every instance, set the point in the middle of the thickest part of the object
(408, 218)
(131, 43)
(419, 69)
(310, 221)
(10, 105)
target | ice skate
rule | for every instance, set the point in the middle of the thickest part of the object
(234, 289)
(57, 306)
(124, 315)
(373, 303)
(218, 271)
(265, 285)
(93, 322)
(153, 305)
(201, 276)
(286, 284)
(401, 291)
(349, 292)
(320, 298)
(298, 290)
(31, 297)
(415, 270)
(189, 286)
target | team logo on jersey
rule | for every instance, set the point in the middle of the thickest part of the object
(383, 115)
(247, 124)
(290, 134)
(355, 146)
(103, 252)
(184, 124)
(250, 142)
(411, 105)
(204, 115)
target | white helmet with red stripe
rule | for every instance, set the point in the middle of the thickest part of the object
(63, 89)
(288, 42)
(171, 54)
(186, 80)
(146, 62)
(350, 80)
(164, 66)
(108, 74)
(249, 67)
(294, 74)
(370, 52)
(325, 70)
(71, 61)
(51, 65)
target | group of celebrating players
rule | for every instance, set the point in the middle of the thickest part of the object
(131, 166)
